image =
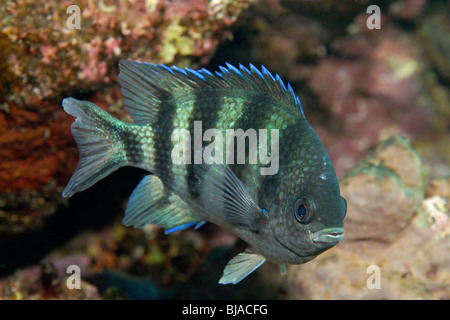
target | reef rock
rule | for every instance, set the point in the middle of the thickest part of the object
(54, 47)
(383, 191)
(395, 241)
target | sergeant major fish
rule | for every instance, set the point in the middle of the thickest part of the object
(289, 217)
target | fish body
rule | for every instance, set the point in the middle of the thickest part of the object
(190, 131)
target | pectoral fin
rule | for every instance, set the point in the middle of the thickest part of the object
(226, 196)
(241, 266)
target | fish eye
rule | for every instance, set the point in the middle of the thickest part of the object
(302, 211)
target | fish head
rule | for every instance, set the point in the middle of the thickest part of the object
(309, 222)
(307, 214)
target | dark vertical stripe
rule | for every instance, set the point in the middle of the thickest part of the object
(163, 144)
(255, 115)
(207, 104)
(288, 138)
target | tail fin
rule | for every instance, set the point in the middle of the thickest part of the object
(100, 153)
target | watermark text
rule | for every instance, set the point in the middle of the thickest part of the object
(235, 147)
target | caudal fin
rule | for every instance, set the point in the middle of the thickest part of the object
(100, 153)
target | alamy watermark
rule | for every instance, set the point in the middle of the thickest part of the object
(74, 20)
(215, 152)
(374, 20)
(374, 280)
(74, 280)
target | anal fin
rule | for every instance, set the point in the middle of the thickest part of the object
(241, 266)
(152, 203)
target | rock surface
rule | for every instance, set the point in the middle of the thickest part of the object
(396, 242)
(383, 192)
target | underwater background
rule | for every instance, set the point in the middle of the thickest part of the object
(375, 88)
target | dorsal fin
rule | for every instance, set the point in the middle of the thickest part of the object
(147, 86)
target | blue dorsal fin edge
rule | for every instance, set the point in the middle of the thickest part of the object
(265, 71)
(140, 81)
(203, 70)
(254, 69)
(244, 68)
(281, 82)
(179, 70)
(224, 70)
(166, 67)
(195, 73)
(234, 69)
(230, 68)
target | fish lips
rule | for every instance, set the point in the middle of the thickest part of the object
(328, 235)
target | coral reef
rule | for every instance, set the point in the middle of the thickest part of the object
(44, 282)
(43, 59)
(46, 55)
(112, 263)
(38, 156)
(34, 154)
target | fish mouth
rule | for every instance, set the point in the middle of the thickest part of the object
(328, 235)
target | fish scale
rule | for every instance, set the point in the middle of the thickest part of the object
(287, 216)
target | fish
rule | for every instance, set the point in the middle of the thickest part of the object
(190, 133)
